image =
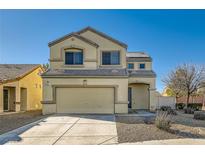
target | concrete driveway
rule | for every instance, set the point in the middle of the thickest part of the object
(65, 129)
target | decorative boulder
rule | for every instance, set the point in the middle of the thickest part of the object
(199, 115)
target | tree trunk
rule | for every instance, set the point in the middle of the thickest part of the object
(187, 102)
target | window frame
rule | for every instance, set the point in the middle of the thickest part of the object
(131, 64)
(73, 51)
(111, 51)
(140, 66)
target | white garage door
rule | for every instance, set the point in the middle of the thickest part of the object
(85, 100)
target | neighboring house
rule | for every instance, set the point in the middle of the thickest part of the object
(20, 87)
(90, 72)
(197, 98)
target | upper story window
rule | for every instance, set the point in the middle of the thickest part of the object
(110, 58)
(142, 66)
(74, 57)
(130, 66)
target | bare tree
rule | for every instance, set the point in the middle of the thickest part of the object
(172, 82)
(185, 80)
(192, 77)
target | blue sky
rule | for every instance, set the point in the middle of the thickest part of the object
(171, 37)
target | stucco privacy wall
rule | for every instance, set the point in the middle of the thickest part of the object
(121, 95)
(152, 89)
(57, 54)
(106, 45)
(166, 101)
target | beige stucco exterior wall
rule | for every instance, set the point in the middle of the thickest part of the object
(92, 54)
(121, 96)
(57, 54)
(106, 45)
(92, 60)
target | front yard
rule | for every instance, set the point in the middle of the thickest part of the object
(12, 121)
(129, 128)
(138, 129)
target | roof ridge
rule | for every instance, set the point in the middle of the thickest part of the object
(102, 34)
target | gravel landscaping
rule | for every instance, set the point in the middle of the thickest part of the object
(11, 121)
(138, 129)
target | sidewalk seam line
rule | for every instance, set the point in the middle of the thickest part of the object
(65, 132)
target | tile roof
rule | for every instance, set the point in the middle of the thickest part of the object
(138, 57)
(93, 72)
(141, 73)
(14, 71)
(136, 54)
(98, 73)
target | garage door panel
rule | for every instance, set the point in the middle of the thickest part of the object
(85, 100)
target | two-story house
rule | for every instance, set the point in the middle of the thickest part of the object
(91, 72)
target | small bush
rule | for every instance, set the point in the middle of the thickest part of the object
(180, 106)
(195, 106)
(165, 108)
(163, 120)
(168, 109)
(199, 115)
(189, 110)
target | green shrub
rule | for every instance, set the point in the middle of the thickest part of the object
(163, 120)
(195, 106)
(199, 115)
(189, 110)
(180, 106)
(168, 109)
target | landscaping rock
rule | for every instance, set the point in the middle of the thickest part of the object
(200, 115)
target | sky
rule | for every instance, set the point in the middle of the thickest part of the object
(170, 37)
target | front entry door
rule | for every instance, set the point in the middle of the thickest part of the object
(6, 100)
(130, 97)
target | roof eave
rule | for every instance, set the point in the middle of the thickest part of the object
(52, 43)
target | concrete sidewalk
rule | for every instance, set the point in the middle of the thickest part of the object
(65, 129)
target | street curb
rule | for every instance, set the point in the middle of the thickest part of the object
(13, 134)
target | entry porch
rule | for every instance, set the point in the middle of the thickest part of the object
(13, 98)
(141, 94)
